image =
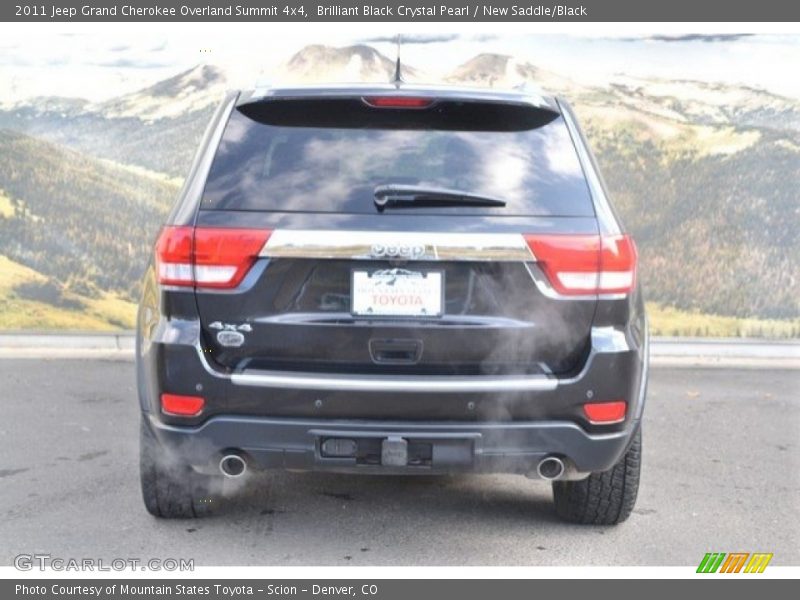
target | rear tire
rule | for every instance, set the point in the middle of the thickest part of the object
(172, 489)
(605, 498)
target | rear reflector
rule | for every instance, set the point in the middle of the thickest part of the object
(397, 102)
(586, 264)
(207, 257)
(182, 406)
(605, 413)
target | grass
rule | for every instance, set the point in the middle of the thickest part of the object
(669, 321)
(105, 313)
(176, 182)
(6, 208)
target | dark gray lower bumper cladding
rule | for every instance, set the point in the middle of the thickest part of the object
(391, 446)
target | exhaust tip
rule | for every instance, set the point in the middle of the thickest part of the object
(232, 465)
(550, 468)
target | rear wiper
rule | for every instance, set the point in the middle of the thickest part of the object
(399, 195)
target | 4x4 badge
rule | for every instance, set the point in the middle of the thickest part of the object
(230, 334)
(231, 326)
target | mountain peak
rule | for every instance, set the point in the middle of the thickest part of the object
(198, 78)
(504, 70)
(486, 69)
(188, 91)
(358, 62)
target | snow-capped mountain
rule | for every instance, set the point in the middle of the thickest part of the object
(506, 71)
(179, 95)
(357, 63)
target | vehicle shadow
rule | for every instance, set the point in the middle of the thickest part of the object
(420, 498)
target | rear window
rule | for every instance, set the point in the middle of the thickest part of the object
(330, 155)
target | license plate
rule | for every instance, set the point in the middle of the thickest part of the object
(397, 293)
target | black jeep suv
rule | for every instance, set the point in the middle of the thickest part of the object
(393, 279)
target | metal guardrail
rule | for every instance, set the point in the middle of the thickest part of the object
(90, 340)
(660, 346)
(724, 347)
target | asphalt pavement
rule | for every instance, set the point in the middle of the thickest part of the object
(721, 473)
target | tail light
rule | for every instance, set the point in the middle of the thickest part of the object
(174, 256)
(207, 257)
(586, 264)
(605, 413)
(397, 102)
(183, 406)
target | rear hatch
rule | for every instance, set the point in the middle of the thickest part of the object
(396, 234)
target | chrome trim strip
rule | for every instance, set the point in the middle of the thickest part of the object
(339, 318)
(397, 245)
(385, 383)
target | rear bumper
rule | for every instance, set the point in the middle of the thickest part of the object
(268, 443)
(480, 424)
(172, 360)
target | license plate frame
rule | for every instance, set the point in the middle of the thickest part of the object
(427, 275)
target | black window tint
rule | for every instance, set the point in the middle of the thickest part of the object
(272, 161)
